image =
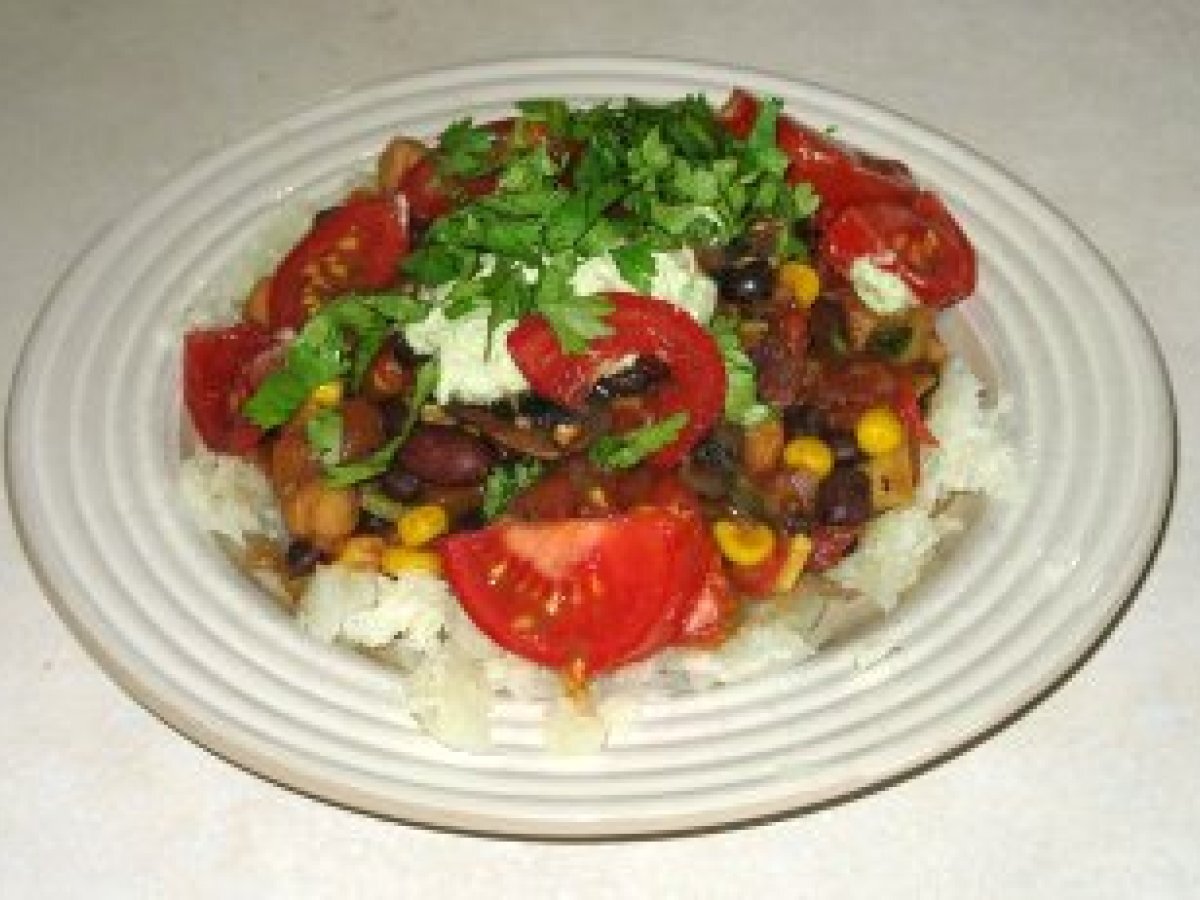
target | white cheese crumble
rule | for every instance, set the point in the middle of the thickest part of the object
(880, 291)
(468, 369)
(677, 279)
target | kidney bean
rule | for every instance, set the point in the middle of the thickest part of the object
(446, 456)
(399, 485)
(362, 428)
(844, 498)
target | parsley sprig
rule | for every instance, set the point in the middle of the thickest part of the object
(625, 179)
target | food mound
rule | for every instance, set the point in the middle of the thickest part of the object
(592, 392)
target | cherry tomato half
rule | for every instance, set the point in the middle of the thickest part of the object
(917, 239)
(222, 367)
(357, 246)
(839, 174)
(590, 595)
(640, 326)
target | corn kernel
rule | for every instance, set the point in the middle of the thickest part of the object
(809, 453)
(362, 552)
(744, 543)
(879, 431)
(403, 560)
(421, 524)
(327, 394)
(801, 281)
(798, 551)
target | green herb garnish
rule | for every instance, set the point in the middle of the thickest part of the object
(742, 405)
(506, 482)
(643, 178)
(337, 342)
(624, 451)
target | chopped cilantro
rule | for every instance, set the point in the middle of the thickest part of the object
(341, 340)
(645, 177)
(463, 150)
(623, 451)
(324, 434)
(742, 406)
(506, 482)
(345, 474)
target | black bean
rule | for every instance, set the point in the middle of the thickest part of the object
(747, 281)
(545, 413)
(794, 521)
(301, 558)
(844, 498)
(399, 485)
(846, 451)
(719, 450)
(370, 523)
(395, 416)
(803, 419)
(633, 380)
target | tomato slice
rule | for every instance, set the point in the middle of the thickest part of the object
(839, 174)
(918, 240)
(357, 246)
(589, 595)
(640, 326)
(221, 368)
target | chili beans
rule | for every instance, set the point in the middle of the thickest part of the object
(446, 456)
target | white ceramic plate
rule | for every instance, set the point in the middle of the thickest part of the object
(94, 442)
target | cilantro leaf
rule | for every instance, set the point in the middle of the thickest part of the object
(463, 150)
(346, 474)
(576, 319)
(506, 482)
(324, 434)
(623, 451)
(636, 264)
(742, 405)
(316, 356)
(341, 340)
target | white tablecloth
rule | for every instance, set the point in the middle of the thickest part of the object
(1093, 793)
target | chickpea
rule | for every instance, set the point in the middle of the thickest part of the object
(763, 446)
(323, 514)
(396, 160)
(257, 308)
(291, 462)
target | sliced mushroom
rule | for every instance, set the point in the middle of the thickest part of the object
(523, 435)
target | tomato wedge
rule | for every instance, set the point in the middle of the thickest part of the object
(640, 326)
(917, 239)
(222, 367)
(357, 246)
(589, 595)
(839, 174)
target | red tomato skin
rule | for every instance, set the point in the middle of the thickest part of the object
(640, 325)
(589, 593)
(321, 266)
(908, 409)
(918, 240)
(221, 369)
(840, 175)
